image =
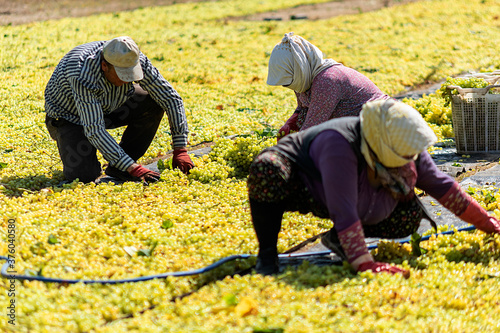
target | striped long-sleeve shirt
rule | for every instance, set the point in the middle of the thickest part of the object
(79, 93)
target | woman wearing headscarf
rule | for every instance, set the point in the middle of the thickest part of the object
(361, 173)
(324, 88)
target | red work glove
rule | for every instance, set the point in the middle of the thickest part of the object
(477, 216)
(145, 174)
(379, 267)
(290, 126)
(182, 160)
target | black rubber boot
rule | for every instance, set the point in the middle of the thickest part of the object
(121, 175)
(266, 218)
(331, 241)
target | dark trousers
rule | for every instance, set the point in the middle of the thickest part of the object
(140, 113)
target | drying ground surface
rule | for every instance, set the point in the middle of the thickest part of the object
(17, 12)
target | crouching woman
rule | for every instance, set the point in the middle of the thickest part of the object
(361, 173)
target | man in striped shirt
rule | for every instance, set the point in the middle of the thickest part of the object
(92, 89)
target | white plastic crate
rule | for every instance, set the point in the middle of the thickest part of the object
(476, 120)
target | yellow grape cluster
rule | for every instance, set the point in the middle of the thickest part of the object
(244, 151)
(180, 223)
(436, 108)
(488, 197)
(474, 247)
(206, 170)
(437, 115)
(472, 82)
(229, 158)
(457, 278)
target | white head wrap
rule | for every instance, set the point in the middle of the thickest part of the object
(392, 130)
(295, 62)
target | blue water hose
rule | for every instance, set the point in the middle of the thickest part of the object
(205, 269)
(138, 279)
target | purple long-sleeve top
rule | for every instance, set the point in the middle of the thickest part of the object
(336, 92)
(348, 195)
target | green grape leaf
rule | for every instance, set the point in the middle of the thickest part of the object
(489, 198)
(38, 249)
(52, 239)
(144, 252)
(31, 272)
(230, 299)
(167, 224)
(160, 165)
(415, 244)
(247, 110)
(266, 132)
(147, 252)
(268, 330)
(165, 164)
(168, 164)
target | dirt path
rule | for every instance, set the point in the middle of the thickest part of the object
(327, 10)
(17, 12)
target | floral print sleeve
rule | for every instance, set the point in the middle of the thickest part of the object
(301, 110)
(336, 92)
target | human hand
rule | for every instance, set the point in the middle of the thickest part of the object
(379, 267)
(182, 160)
(490, 225)
(145, 174)
(477, 216)
(290, 126)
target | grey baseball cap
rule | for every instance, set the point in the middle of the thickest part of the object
(123, 53)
